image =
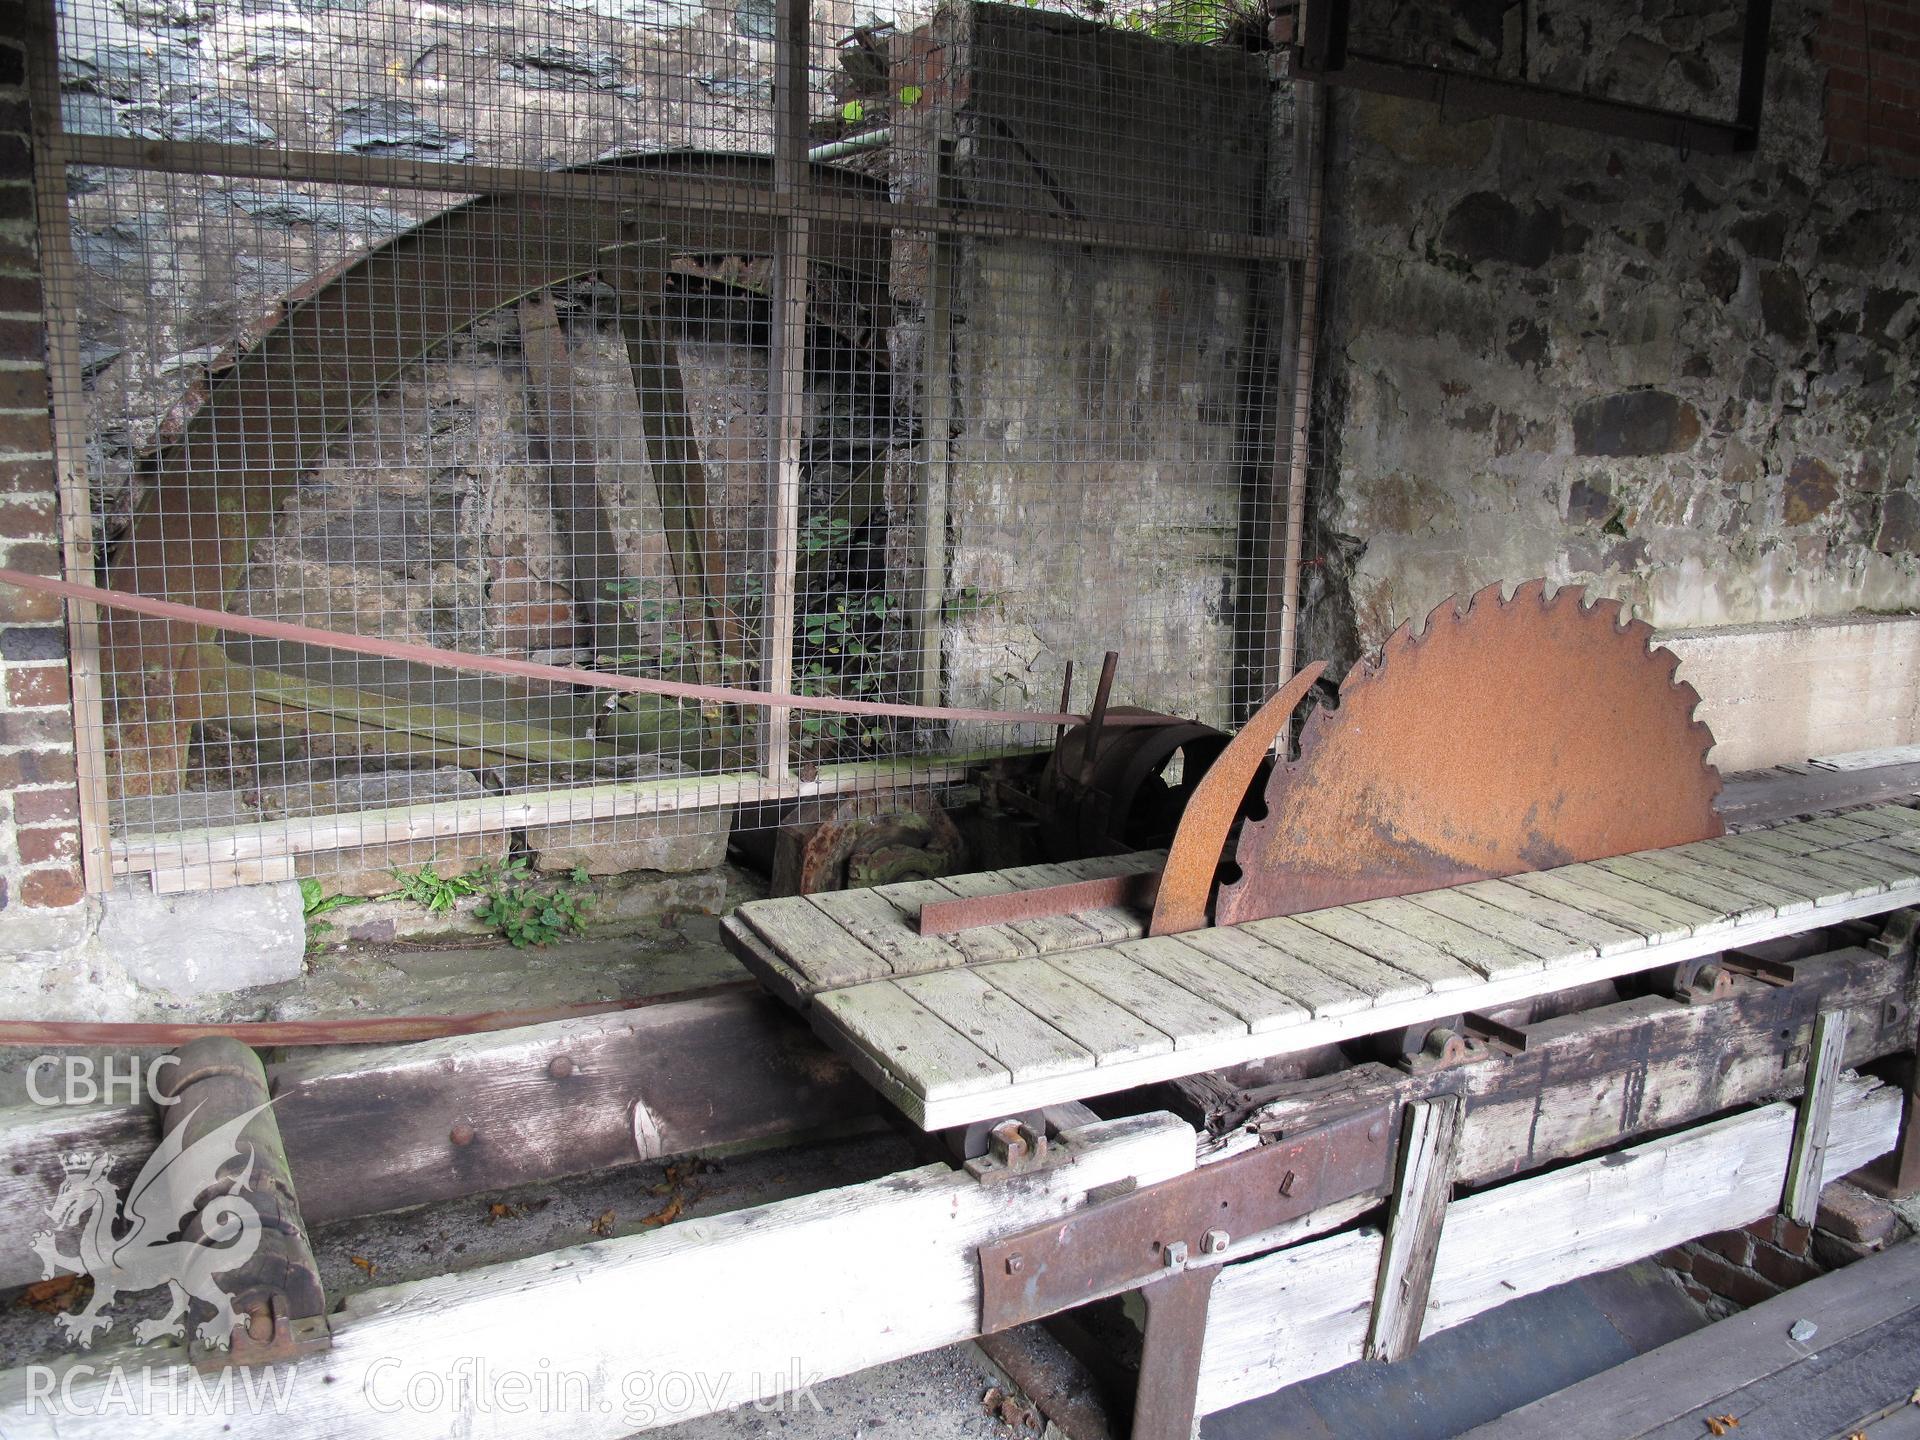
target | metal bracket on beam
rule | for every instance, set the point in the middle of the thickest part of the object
(1169, 1240)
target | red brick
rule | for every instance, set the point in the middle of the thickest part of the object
(25, 432)
(1783, 1269)
(48, 844)
(31, 685)
(1852, 1214)
(1743, 1287)
(1697, 1292)
(27, 477)
(50, 729)
(17, 605)
(45, 807)
(23, 339)
(52, 889)
(21, 293)
(36, 767)
(1679, 1258)
(24, 519)
(1790, 1237)
(1732, 1245)
(36, 557)
(23, 390)
(1833, 1253)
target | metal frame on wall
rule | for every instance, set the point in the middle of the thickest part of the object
(789, 200)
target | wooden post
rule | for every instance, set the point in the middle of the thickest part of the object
(1305, 329)
(60, 277)
(937, 416)
(1429, 1145)
(573, 482)
(1806, 1162)
(787, 381)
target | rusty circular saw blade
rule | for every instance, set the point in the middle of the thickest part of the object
(1507, 736)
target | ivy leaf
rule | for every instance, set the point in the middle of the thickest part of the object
(853, 112)
(910, 94)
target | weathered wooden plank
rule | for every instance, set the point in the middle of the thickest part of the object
(1650, 1392)
(809, 942)
(1054, 933)
(1659, 872)
(1288, 1316)
(1854, 860)
(1578, 890)
(1837, 885)
(1897, 864)
(981, 944)
(1319, 993)
(1383, 984)
(1592, 1078)
(1834, 832)
(764, 965)
(1606, 936)
(749, 1304)
(1780, 840)
(1476, 949)
(1714, 868)
(1699, 919)
(1216, 982)
(1786, 877)
(1861, 825)
(1169, 1008)
(907, 1043)
(1806, 1160)
(1896, 817)
(1429, 1144)
(1516, 931)
(884, 927)
(1356, 926)
(1028, 1046)
(1111, 1033)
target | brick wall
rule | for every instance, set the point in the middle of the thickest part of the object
(1871, 49)
(1737, 1268)
(39, 805)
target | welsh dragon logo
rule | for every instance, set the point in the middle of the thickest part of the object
(133, 1246)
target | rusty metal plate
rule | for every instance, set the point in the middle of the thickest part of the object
(1505, 737)
(1201, 842)
(1136, 891)
(1123, 1243)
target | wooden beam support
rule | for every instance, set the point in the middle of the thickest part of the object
(1298, 1313)
(787, 389)
(1429, 1150)
(1607, 1074)
(1806, 1163)
(647, 1330)
(372, 1128)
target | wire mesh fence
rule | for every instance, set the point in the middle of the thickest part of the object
(893, 355)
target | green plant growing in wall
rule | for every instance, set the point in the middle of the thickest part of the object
(530, 914)
(433, 892)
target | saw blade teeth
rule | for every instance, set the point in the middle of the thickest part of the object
(1531, 590)
(1488, 596)
(1686, 694)
(1640, 630)
(1314, 726)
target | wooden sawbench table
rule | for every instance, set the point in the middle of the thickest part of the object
(999, 1020)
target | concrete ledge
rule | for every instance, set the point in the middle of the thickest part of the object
(1777, 693)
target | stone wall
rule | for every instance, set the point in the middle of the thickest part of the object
(1683, 380)
(1102, 400)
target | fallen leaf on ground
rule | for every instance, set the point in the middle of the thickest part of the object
(665, 1215)
(362, 1263)
(58, 1295)
(602, 1224)
(1721, 1424)
(498, 1211)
